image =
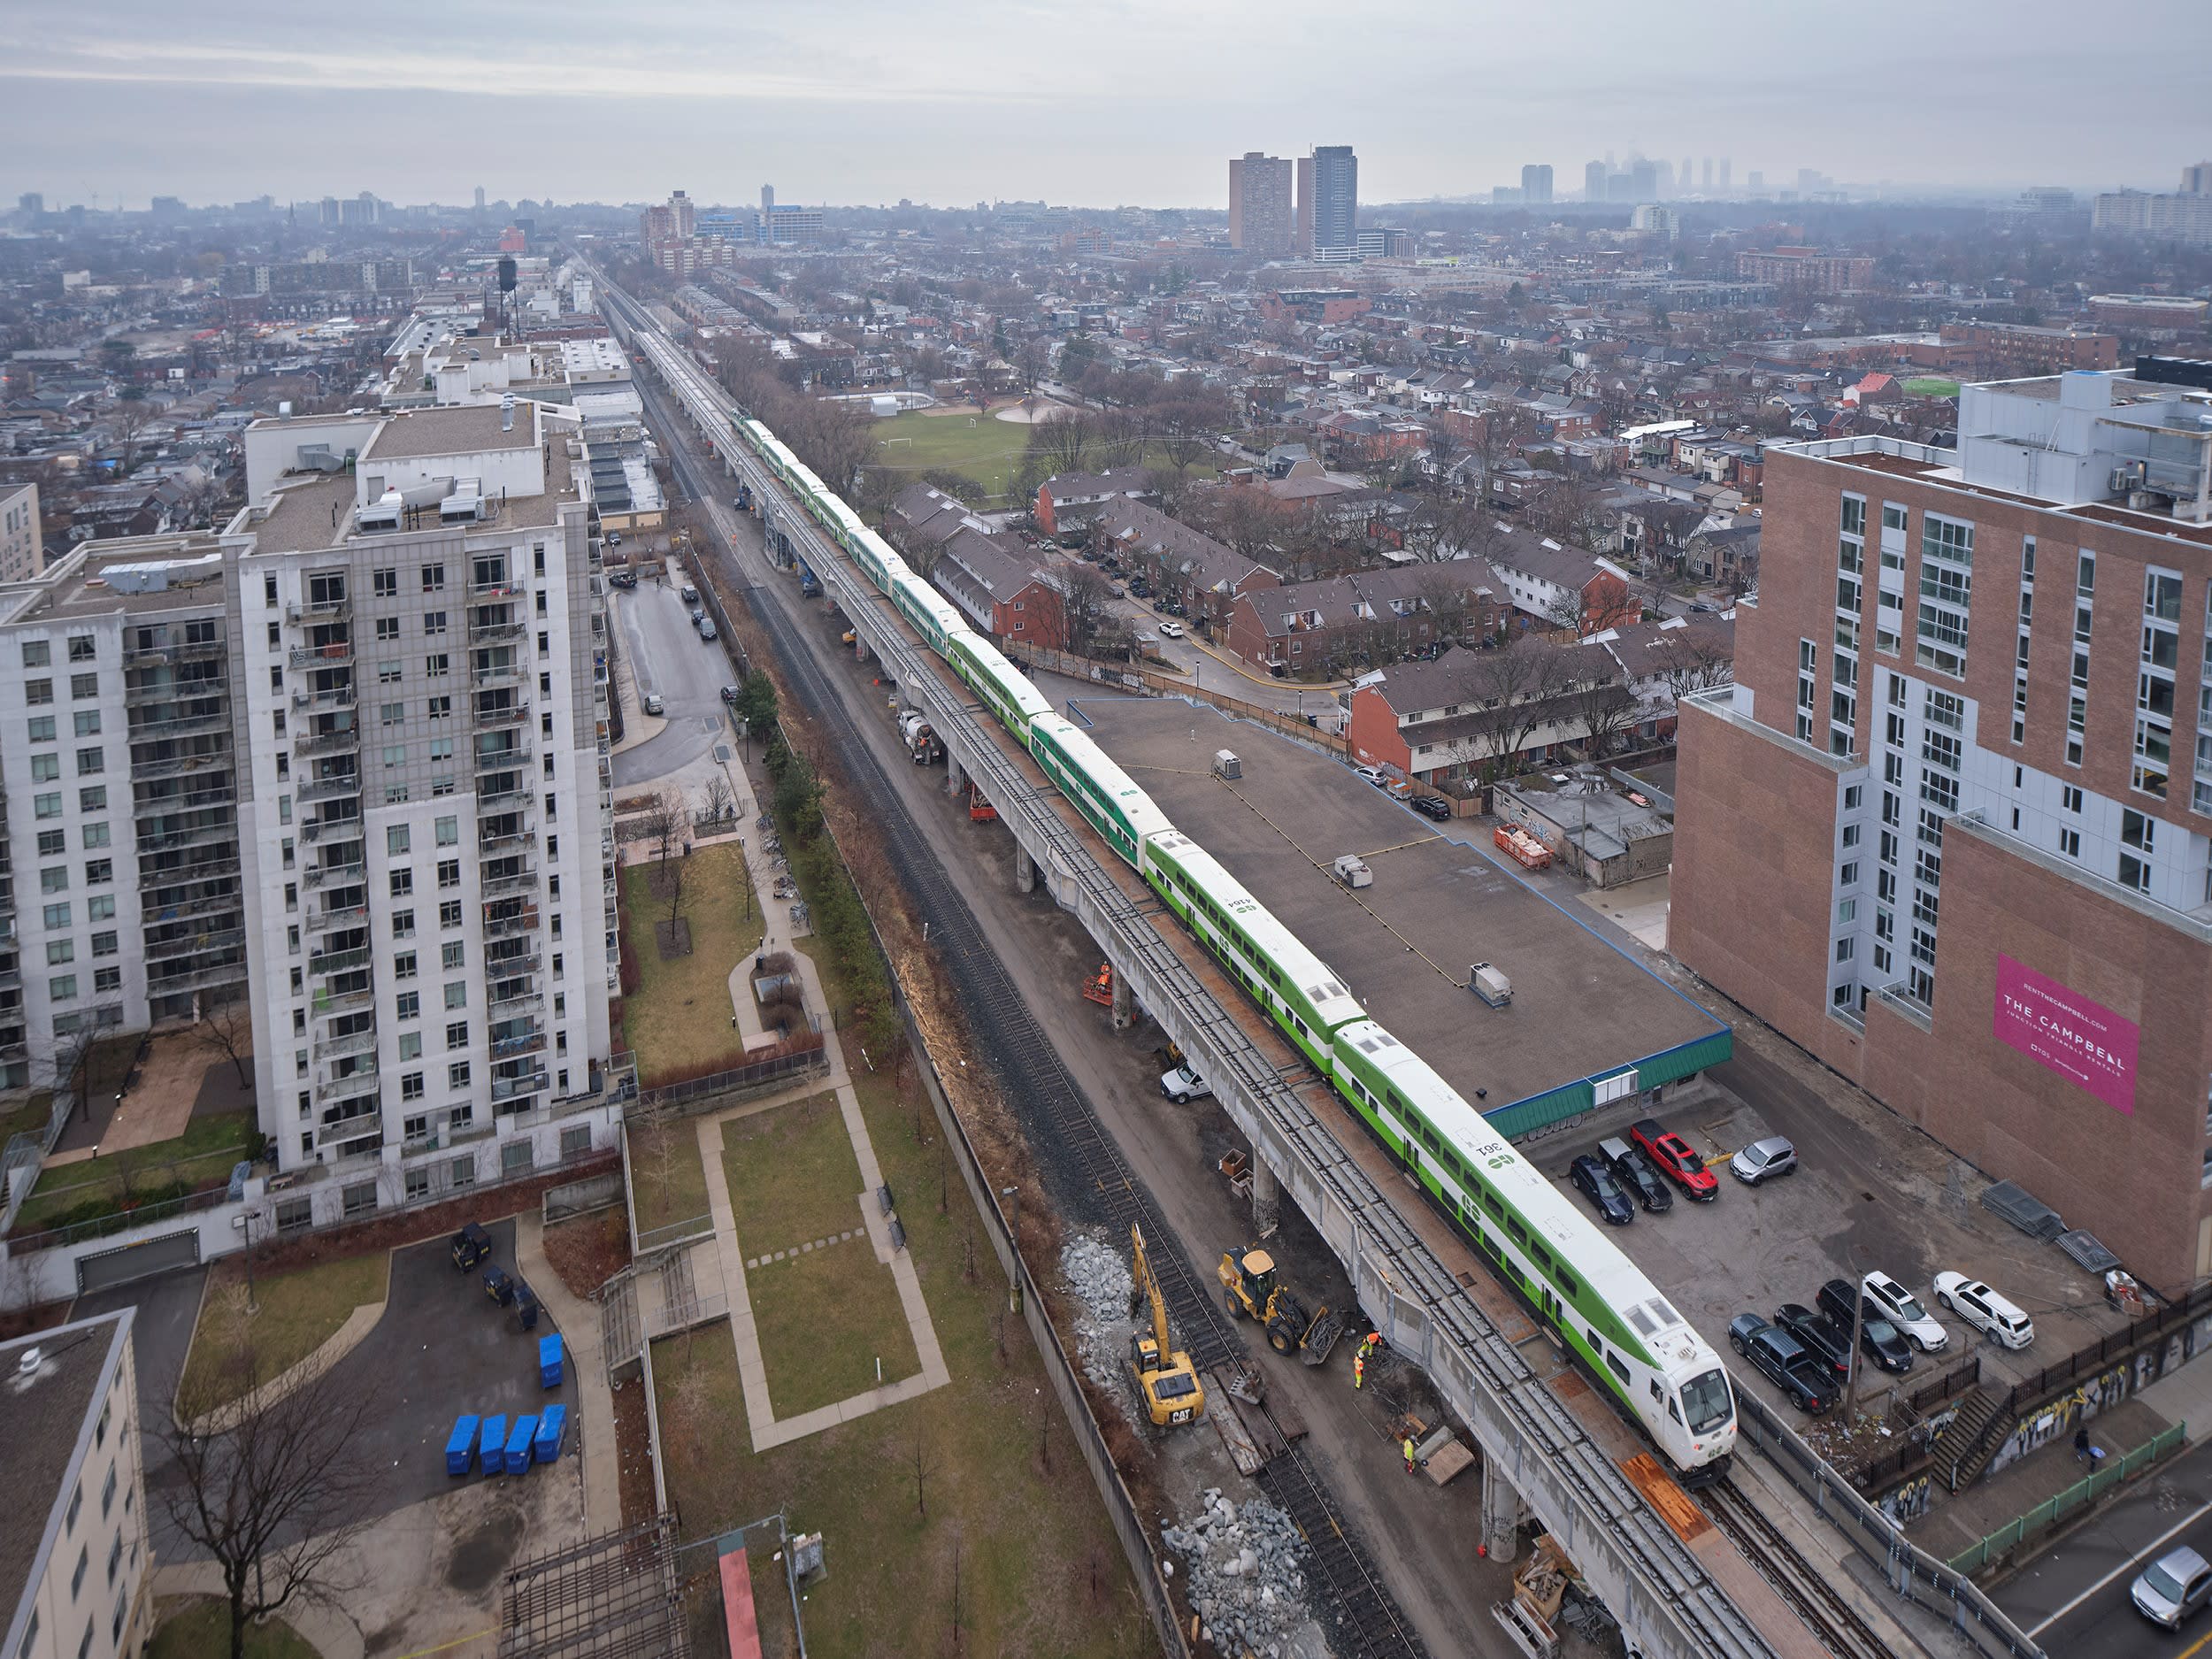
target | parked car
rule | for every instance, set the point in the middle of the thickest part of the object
(1818, 1335)
(1173, 630)
(1902, 1310)
(706, 628)
(614, 538)
(1632, 1170)
(1984, 1310)
(1879, 1339)
(730, 694)
(2172, 1588)
(622, 578)
(1782, 1360)
(1434, 806)
(1372, 774)
(1762, 1160)
(1675, 1160)
(689, 594)
(1184, 1084)
(652, 704)
(1595, 1183)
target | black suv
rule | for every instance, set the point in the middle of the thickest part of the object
(1778, 1356)
(1818, 1336)
(1434, 806)
(1633, 1170)
(1595, 1183)
(1884, 1342)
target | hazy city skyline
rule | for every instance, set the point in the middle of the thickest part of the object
(870, 103)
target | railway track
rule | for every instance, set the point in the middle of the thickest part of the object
(1363, 1618)
(1831, 1618)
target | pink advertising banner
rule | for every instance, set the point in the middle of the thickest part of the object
(2071, 1035)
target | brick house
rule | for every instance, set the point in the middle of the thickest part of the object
(1469, 713)
(1068, 502)
(1561, 586)
(1371, 615)
(1182, 563)
(1003, 586)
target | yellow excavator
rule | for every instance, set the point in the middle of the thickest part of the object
(1250, 1290)
(1165, 1377)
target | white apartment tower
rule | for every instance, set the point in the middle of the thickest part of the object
(423, 798)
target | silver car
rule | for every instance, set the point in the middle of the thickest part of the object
(1764, 1159)
(2172, 1588)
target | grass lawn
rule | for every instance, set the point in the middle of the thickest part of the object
(990, 451)
(29, 1118)
(196, 1626)
(824, 1316)
(1932, 386)
(667, 1181)
(299, 1311)
(679, 1019)
(207, 1150)
(1039, 1569)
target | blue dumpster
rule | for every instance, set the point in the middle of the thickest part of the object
(549, 1361)
(551, 1423)
(492, 1445)
(519, 1445)
(460, 1446)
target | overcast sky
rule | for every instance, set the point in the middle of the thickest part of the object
(1112, 102)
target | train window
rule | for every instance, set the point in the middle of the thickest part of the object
(1620, 1370)
(1541, 1258)
(1672, 1410)
(1567, 1282)
(1513, 1225)
(1655, 1387)
(1490, 1203)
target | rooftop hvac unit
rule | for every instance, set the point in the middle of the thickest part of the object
(1226, 764)
(1352, 871)
(1487, 983)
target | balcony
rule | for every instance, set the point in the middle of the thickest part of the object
(338, 961)
(352, 1042)
(503, 786)
(196, 834)
(509, 1087)
(500, 675)
(340, 740)
(504, 588)
(11, 979)
(334, 1086)
(352, 913)
(179, 945)
(505, 840)
(514, 713)
(327, 1002)
(336, 697)
(523, 921)
(519, 1043)
(352, 1127)
(501, 759)
(330, 655)
(521, 880)
(315, 875)
(176, 765)
(196, 979)
(174, 651)
(330, 788)
(202, 800)
(523, 996)
(217, 718)
(337, 605)
(483, 629)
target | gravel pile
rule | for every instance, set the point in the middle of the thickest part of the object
(1100, 1280)
(1246, 1584)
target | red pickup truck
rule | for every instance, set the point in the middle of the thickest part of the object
(1675, 1160)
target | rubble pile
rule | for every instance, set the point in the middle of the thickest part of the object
(1100, 1280)
(1246, 1584)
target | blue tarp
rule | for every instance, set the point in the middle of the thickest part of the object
(549, 1361)
(552, 1423)
(519, 1445)
(493, 1445)
(460, 1446)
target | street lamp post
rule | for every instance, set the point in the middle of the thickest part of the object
(1014, 1274)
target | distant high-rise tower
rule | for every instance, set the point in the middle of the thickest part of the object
(31, 203)
(2196, 179)
(1709, 175)
(1758, 181)
(767, 201)
(1643, 181)
(1682, 185)
(480, 198)
(1536, 185)
(1663, 177)
(1262, 207)
(1328, 200)
(1724, 165)
(1594, 176)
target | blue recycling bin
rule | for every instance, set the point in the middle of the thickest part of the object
(552, 1422)
(492, 1445)
(549, 1361)
(460, 1446)
(519, 1445)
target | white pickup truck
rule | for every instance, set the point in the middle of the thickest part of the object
(1183, 1084)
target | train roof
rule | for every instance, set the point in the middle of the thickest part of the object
(1321, 986)
(992, 661)
(1143, 813)
(921, 593)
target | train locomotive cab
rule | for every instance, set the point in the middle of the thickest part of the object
(1694, 1418)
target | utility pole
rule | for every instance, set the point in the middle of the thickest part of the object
(1858, 1334)
(1014, 1274)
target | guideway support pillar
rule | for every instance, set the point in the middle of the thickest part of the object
(1267, 1199)
(955, 774)
(1501, 1510)
(1125, 1003)
(1024, 870)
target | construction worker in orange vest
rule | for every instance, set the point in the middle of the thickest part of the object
(1408, 1448)
(1359, 1371)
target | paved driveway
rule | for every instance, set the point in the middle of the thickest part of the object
(667, 655)
(168, 1307)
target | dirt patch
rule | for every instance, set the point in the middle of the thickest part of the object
(634, 1453)
(483, 1552)
(664, 878)
(673, 938)
(589, 1250)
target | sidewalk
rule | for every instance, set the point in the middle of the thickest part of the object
(578, 1323)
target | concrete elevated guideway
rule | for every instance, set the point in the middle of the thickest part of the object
(1667, 1600)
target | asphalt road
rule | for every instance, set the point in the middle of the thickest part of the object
(667, 655)
(2073, 1598)
(168, 1307)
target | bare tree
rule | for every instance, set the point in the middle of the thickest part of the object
(1693, 660)
(226, 1028)
(1078, 604)
(1517, 688)
(277, 1499)
(126, 419)
(1063, 441)
(718, 800)
(1122, 434)
(924, 1465)
(1606, 708)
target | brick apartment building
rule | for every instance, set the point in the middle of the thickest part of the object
(1951, 829)
(1806, 268)
(2016, 348)
(1183, 564)
(1068, 502)
(1368, 617)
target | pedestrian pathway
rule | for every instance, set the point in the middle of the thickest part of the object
(578, 1323)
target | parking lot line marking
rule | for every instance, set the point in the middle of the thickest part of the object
(2196, 1647)
(2129, 1565)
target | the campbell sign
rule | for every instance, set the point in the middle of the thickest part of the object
(2071, 1035)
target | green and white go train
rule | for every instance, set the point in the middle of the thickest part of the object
(1631, 1338)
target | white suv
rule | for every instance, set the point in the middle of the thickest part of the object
(1984, 1310)
(1183, 1085)
(1899, 1306)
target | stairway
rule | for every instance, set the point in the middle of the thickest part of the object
(1963, 1449)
